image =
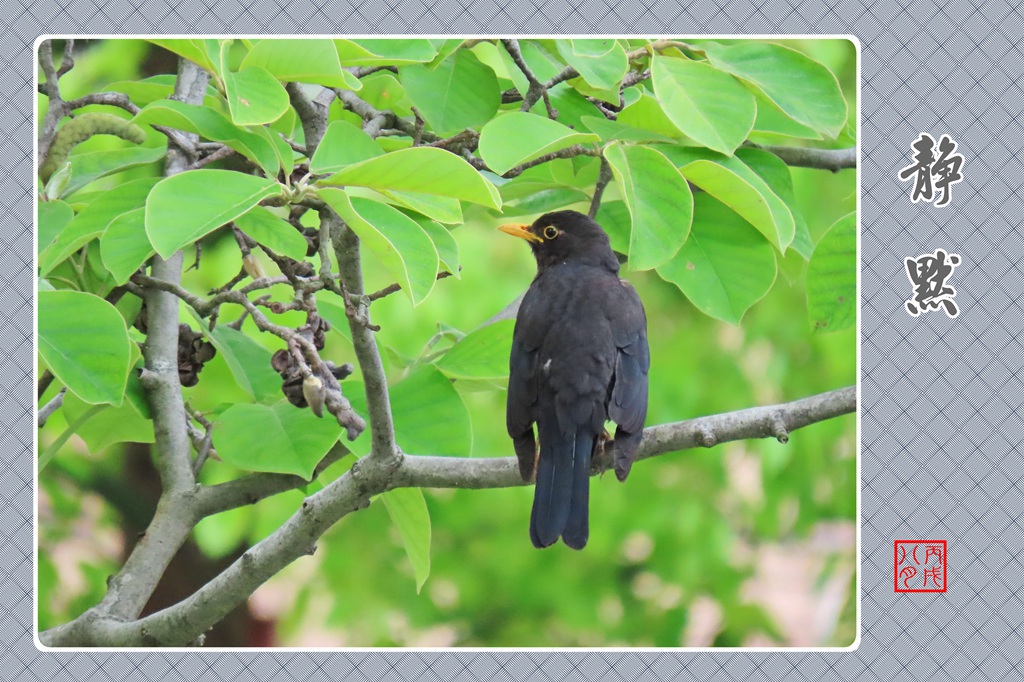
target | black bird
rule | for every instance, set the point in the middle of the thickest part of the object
(579, 357)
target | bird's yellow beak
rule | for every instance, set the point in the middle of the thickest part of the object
(520, 230)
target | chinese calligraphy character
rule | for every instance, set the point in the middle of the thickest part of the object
(928, 275)
(932, 173)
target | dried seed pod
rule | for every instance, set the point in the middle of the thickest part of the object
(313, 392)
(252, 266)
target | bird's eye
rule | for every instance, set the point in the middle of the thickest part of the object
(550, 232)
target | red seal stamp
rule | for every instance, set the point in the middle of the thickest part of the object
(920, 566)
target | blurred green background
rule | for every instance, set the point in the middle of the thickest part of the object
(749, 543)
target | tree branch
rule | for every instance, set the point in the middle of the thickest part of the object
(833, 160)
(184, 622)
(132, 587)
(378, 403)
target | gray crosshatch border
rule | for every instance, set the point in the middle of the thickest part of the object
(942, 401)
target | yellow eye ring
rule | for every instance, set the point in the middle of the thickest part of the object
(550, 232)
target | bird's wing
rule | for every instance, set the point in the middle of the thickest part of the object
(523, 384)
(628, 404)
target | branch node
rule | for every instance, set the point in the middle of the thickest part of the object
(706, 437)
(778, 426)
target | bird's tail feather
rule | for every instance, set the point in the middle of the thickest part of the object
(562, 496)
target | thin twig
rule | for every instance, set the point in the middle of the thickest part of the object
(50, 407)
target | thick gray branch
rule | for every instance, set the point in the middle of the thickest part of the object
(833, 160)
(378, 403)
(131, 588)
(186, 621)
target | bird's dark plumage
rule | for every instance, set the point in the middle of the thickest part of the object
(579, 357)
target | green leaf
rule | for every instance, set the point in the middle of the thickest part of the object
(124, 246)
(832, 277)
(614, 217)
(775, 172)
(730, 181)
(390, 52)
(306, 60)
(275, 233)
(254, 96)
(279, 438)
(144, 91)
(395, 238)
(212, 125)
(124, 424)
(542, 201)
(84, 342)
(772, 122)
(659, 200)
(195, 50)
(458, 93)
(408, 511)
(801, 87)
(248, 361)
(53, 217)
(480, 355)
(342, 145)
(600, 61)
(90, 166)
(444, 242)
(709, 106)
(426, 170)
(442, 209)
(610, 131)
(517, 137)
(646, 113)
(190, 205)
(430, 417)
(92, 220)
(724, 267)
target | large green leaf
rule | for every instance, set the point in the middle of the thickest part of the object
(254, 96)
(617, 130)
(211, 125)
(708, 105)
(124, 424)
(199, 50)
(189, 205)
(84, 342)
(480, 355)
(725, 266)
(659, 200)
(92, 220)
(273, 232)
(832, 277)
(307, 60)
(430, 417)
(408, 511)
(426, 170)
(601, 62)
(391, 52)
(801, 87)
(146, 90)
(646, 113)
(395, 238)
(458, 93)
(278, 438)
(342, 145)
(124, 246)
(442, 209)
(444, 242)
(248, 361)
(90, 166)
(517, 137)
(775, 172)
(53, 217)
